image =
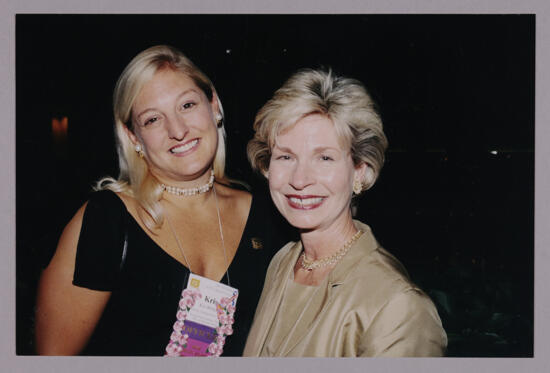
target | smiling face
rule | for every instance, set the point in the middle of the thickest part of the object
(311, 175)
(175, 124)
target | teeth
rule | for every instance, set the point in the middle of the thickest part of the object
(306, 201)
(181, 149)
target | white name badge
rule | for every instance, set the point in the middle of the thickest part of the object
(204, 318)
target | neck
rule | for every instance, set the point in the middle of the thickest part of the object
(321, 243)
(197, 201)
(199, 185)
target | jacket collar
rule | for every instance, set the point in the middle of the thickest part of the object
(364, 245)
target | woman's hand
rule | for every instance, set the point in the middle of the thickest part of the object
(66, 315)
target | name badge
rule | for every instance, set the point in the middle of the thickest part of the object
(204, 318)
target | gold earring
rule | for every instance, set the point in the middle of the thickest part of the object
(357, 187)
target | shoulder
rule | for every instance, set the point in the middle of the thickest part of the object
(106, 208)
(233, 196)
(387, 268)
(101, 241)
(385, 295)
(106, 199)
(374, 271)
(99, 203)
(407, 324)
(400, 319)
(367, 258)
(104, 215)
(381, 275)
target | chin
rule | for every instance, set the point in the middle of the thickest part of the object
(302, 223)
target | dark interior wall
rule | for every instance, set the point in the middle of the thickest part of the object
(456, 92)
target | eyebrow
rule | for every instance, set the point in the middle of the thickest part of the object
(321, 149)
(282, 148)
(183, 93)
(318, 149)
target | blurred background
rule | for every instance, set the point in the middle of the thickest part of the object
(455, 199)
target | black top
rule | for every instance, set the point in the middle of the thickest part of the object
(146, 282)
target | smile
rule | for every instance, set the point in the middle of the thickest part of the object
(184, 147)
(304, 202)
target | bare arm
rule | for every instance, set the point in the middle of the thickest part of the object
(66, 315)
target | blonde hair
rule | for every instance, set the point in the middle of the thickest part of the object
(134, 178)
(343, 100)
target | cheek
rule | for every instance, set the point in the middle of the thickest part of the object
(337, 182)
(276, 176)
(148, 136)
(206, 117)
(275, 186)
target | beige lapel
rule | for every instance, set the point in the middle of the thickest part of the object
(270, 303)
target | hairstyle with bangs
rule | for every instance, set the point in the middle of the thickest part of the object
(134, 178)
(343, 100)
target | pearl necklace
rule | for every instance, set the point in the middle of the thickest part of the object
(190, 191)
(309, 264)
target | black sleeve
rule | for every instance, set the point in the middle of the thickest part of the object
(266, 227)
(272, 226)
(101, 242)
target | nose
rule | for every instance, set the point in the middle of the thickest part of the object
(302, 176)
(176, 128)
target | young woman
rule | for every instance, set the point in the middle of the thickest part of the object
(114, 284)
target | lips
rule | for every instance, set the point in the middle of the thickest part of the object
(184, 148)
(306, 202)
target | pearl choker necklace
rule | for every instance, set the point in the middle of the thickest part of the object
(309, 264)
(190, 191)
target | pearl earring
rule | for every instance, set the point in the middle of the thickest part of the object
(219, 119)
(357, 187)
(139, 150)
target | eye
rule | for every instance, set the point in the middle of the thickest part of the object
(187, 105)
(150, 121)
(284, 157)
(326, 158)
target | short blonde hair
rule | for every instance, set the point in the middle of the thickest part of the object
(135, 178)
(343, 100)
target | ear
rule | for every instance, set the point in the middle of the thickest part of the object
(132, 136)
(266, 174)
(360, 172)
(364, 173)
(215, 103)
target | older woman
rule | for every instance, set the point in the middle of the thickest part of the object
(336, 292)
(113, 286)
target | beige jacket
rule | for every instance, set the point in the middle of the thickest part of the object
(367, 306)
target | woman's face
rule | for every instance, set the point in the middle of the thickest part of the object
(311, 175)
(175, 124)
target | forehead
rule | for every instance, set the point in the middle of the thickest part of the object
(168, 79)
(314, 130)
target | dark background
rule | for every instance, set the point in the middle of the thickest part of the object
(455, 199)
